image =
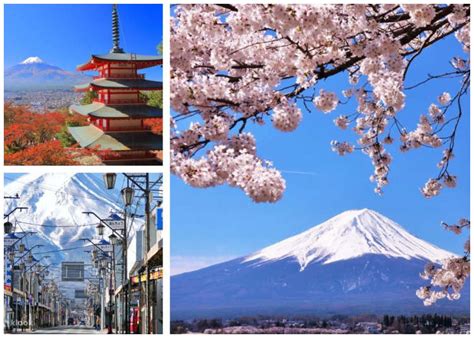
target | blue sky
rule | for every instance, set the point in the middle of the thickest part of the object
(66, 35)
(212, 225)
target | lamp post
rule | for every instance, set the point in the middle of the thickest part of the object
(100, 262)
(123, 239)
(7, 215)
(22, 267)
(39, 269)
(94, 252)
(11, 255)
(30, 257)
(127, 195)
(113, 240)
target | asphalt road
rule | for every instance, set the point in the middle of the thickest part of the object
(66, 330)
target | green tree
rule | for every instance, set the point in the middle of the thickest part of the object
(159, 49)
(88, 97)
(153, 98)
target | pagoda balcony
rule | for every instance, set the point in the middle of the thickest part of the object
(126, 129)
(122, 102)
(120, 77)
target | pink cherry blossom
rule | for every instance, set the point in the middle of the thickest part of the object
(236, 66)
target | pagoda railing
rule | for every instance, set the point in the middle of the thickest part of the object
(122, 102)
(125, 101)
(137, 129)
(120, 76)
(130, 155)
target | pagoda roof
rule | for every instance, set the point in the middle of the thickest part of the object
(140, 61)
(121, 84)
(90, 136)
(101, 110)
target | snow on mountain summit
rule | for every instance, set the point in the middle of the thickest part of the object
(56, 202)
(350, 234)
(32, 59)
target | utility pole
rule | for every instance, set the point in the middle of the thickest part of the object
(102, 300)
(147, 266)
(125, 272)
(127, 193)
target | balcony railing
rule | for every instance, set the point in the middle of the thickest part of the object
(120, 76)
(137, 129)
(121, 101)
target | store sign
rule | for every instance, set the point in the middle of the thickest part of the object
(8, 277)
(72, 271)
(9, 241)
(106, 247)
(116, 224)
(153, 275)
(159, 219)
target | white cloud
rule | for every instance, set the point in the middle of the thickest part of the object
(181, 264)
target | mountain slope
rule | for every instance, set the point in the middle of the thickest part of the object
(350, 234)
(34, 73)
(356, 262)
(56, 202)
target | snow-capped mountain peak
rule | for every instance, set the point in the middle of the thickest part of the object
(32, 59)
(56, 202)
(350, 234)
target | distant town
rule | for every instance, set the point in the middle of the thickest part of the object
(43, 100)
(369, 324)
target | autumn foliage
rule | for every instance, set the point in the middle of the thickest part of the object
(48, 153)
(38, 139)
(155, 125)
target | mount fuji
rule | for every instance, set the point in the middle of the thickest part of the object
(55, 203)
(35, 74)
(354, 263)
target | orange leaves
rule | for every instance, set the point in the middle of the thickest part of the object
(48, 153)
(155, 125)
(31, 138)
(76, 120)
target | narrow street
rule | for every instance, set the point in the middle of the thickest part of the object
(72, 329)
(91, 281)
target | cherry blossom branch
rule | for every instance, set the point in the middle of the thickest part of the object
(447, 280)
(231, 71)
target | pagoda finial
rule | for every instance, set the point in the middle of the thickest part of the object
(115, 31)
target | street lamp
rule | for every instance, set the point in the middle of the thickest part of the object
(109, 179)
(21, 248)
(100, 229)
(8, 227)
(30, 259)
(123, 238)
(127, 196)
(113, 239)
(104, 264)
(7, 215)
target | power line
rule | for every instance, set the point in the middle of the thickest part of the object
(42, 186)
(57, 226)
(60, 250)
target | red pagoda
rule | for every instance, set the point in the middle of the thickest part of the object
(117, 115)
